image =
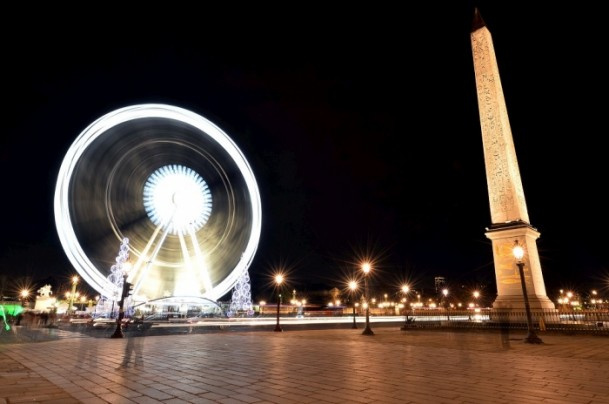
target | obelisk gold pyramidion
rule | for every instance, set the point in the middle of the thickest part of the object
(509, 216)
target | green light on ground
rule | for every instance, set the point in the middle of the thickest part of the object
(10, 309)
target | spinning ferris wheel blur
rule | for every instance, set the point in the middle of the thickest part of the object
(171, 182)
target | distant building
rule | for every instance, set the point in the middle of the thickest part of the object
(439, 282)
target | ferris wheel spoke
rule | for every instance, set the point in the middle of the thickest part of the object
(149, 262)
(201, 265)
(189, 282)
(143, 258)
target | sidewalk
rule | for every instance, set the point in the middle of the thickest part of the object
(315, 366)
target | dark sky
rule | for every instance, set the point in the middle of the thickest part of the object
(360, 123)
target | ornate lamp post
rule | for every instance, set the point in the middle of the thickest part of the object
(278, 282)
(405, 290)
(531, 337)
(353, 287)
(366, 268)
(118, 332)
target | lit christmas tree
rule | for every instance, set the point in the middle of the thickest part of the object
(241, 300)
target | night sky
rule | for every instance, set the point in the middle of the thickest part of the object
(360, 123)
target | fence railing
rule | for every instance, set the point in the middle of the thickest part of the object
(571, 321)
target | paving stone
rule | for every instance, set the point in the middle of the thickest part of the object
(314, 366)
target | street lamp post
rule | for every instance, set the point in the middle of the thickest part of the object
(122, 267)
(278, 281)
(72, 294)
(445, 293)
(96, 305)
(531, 337)
(118, 333)
(353, 287)
(366, 268)
(405, 290)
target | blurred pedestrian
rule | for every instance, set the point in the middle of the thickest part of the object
(134, 348)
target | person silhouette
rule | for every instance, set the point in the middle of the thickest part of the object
(87, 354)
(133, 352)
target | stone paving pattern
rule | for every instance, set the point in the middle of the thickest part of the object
(310, 366)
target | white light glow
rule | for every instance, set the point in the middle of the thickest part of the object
(177, 198)
(518, 252)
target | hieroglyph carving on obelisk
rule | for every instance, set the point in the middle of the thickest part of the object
(509, 216)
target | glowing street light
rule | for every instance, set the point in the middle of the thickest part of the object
(353, 287)
(278, 281)
(445, 293)
(24, 295)
(366, 268)
(405, 290)
(518, 252)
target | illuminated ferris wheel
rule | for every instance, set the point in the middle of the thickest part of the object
(173, 184)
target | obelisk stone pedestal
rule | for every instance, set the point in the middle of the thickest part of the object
(507, 276)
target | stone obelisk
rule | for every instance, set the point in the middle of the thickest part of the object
(509, 216)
